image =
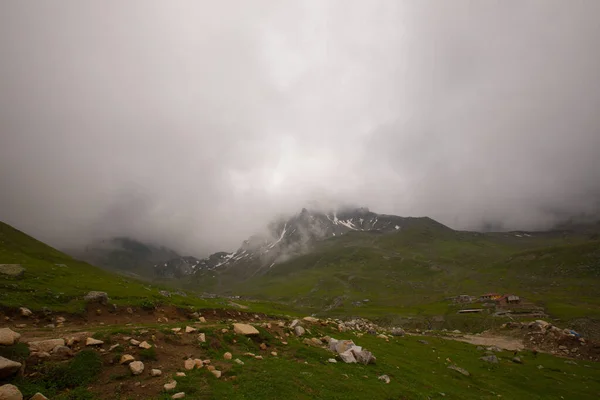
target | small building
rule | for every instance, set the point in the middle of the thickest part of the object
(490, 297)
(509, 299)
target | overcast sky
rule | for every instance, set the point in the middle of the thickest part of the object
(191, 123)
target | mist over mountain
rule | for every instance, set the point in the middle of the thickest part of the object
(190, 125)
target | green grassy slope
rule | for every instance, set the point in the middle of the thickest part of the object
(414, 271)
(54, 280)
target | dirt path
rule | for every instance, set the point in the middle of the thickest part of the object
(488, 339)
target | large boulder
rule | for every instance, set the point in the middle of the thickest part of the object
(245, 329)
(96, 297)
(348, 357)
(343, 345)
(10, 392)
(136, 367)
(14, 270)
(46, 346)
(8, 337)
(299, 331)
(364, 356)
(8, 367)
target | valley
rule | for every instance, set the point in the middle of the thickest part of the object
(403, 290)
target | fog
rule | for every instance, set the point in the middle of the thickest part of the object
(192, 123)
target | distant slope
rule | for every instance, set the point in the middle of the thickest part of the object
(131, 257)
(416, 268)
(57, 281)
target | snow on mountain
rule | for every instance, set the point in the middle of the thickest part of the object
(289, 237)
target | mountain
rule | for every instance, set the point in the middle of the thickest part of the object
(286, 238)
(131, 257)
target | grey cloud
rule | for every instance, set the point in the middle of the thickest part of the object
(192, 124)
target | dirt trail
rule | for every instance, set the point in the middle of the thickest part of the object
(487, 339)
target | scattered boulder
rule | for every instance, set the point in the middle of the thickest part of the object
(517, 360)
(62, 352)
(155, 372)
(126, 359)
(8, 337)
(343, 345)
(384, 378)
(93, 342)
(332, 360)
(216, 373)
(134, 342)
(145, 345)
(180, 374)
(263, 346)
(312, 320)
(316, 342)
(189, 364)
(238, 361)
(96, 297)
(423, 341)
(179, 395)
(136, 367)
(45, 345)
(61, 320)
(227, 356)
(298, 330)
(202, 319)
(459, 370)
(189, 329)
(398, 332)
(198, 363)
(25, 312)
(38, 396)
(274, 353)
(10, 392)
(170, 386)
(8, 367)
(245, 329)
(348, 356)
(202, 337)
(491, 359)
(364, 357)
(14, 270)
(176, 330)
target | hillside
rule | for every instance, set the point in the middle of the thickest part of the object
(129, 257)
(413, 270)
(56, 281)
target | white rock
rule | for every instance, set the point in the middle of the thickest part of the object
(348, 357)
(93, 342)
(245, 329)
(155, 372)
(384, 378)
(45, 345)
(189, 329)
(170, 386)
(134, 342)
(202, 319)
(238, 361)
(145, 345)
(332, 360)
(8, 337)
(189, 364)
(180, 374)
(179, 395)
(216, 373)
(136, 367)
(10, 392)
(38, 396)
(299, 331)
(202, 337)
(126, 359)
(227, 356)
